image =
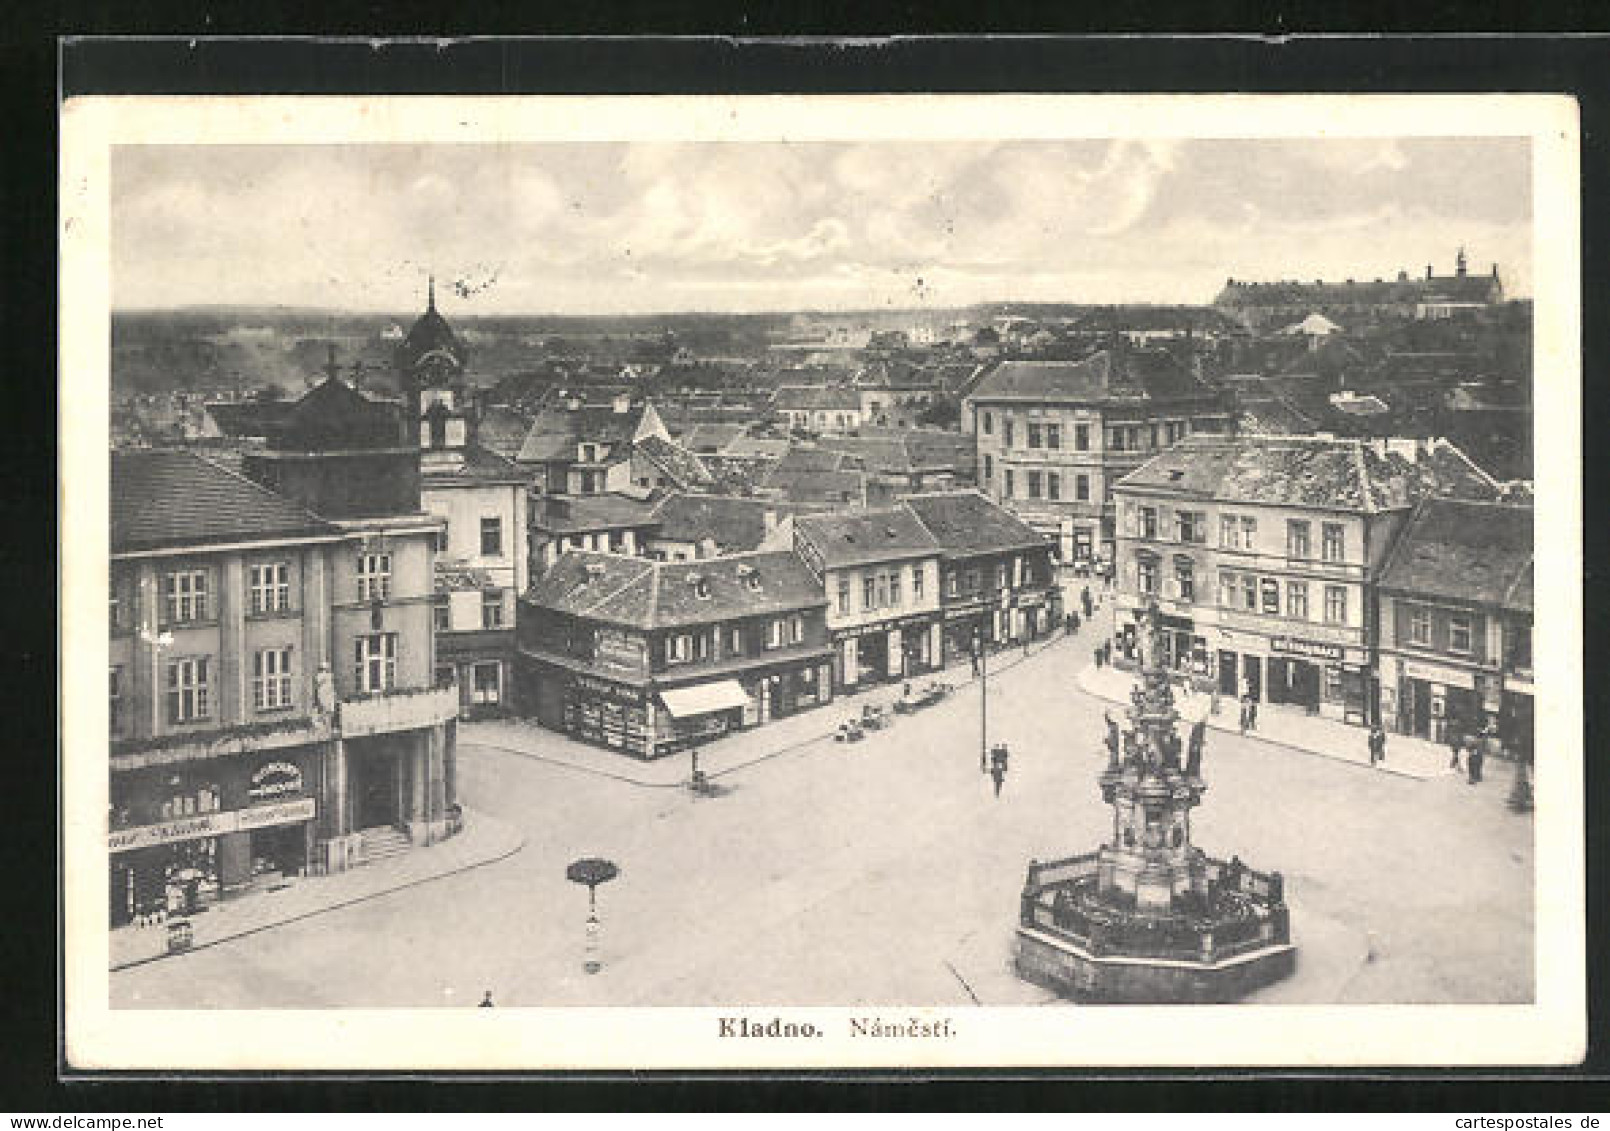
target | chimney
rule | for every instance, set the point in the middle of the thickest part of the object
(1428, 272)
(1460, 264)
(332, 370)
(621, 403)
(769, 517)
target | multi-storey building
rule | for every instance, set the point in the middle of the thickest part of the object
(1262, 553)
(650, 657)
(1360, 302)
(1054, 436)
(271, 702)
(997, 584)
(1456, 623)
(880, 572)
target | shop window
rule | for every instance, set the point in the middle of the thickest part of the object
(487, 689)
(1333, 684)
(189, 689)
(1297, 545)
(271, 679)
(1458, 633)
(1331, 546)
(374, 577)
(492, 608)
(375, 654)
(492, 537)
(1081, 488)
(186, 595)
(188, 801)
(114, 704)
(270, 584)
(1335, 604)
(1297, 600)
(1081, 437)
(1420, 627)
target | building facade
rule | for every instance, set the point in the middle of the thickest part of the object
(271, 706)
(1456, 624)
(1263, 554)
(1053, 437)
(649, 658)
(880, 572)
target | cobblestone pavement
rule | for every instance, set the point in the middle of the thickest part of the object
(886, 872)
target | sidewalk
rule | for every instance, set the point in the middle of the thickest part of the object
(483, 840)
(1405, 756)
(739, 749)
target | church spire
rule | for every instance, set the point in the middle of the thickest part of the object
(431, 303)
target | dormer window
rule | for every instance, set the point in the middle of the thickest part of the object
(750, 576)
(701, 586)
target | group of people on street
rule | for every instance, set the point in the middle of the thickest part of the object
(1474, 748)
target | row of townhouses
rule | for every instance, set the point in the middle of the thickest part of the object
(1357, 582)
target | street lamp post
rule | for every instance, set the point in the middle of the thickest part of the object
(983, 699)
(592, 871)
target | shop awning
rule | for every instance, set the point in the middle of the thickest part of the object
(723, 695)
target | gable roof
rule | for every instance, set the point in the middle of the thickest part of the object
(333, 416)
(866, 536)
(1293, 471)
(839, 487)
(681, 466)
(964, 523)
(1471, 552)
(161, 499)
(503, 430)
(735, 523)
(566, 514)
(555, 432)
(1105, 377)
(479, 466)
(644, 594)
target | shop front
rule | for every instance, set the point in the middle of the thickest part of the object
(602, 711)
(1184, 648)
(1434, 701)
(699, 713)
(201, 852)
(887, 650)
(967, 627)
(1319, 677)
(788, 689)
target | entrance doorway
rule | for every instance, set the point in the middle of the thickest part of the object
(1227, 674)
(1416, 698)
(1252, 672)
(377, 791)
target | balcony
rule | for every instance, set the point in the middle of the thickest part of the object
(387, 712)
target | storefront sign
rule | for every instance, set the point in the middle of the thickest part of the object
(1179, 624)
(212, 824)
(970, 609)
(276, 779)
(882, 626)
(1436, 673)
(605, 689)
(1030, 600)
(1311, 649)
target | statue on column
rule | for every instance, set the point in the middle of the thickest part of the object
(324, 699)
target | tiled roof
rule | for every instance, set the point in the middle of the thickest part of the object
(817, 486)
(884, 454)
(736, 524)
(866, 536)
(555, 432)
(683, 467)
(1474, 553)
(333, 416)
(965, 523)
(1105, 377)
(249, 418)
(480, 465)
(932, 450)
(503, 430)
(799, 398)
(757, 447)
(1144, 318)
(566, 514)
(163, 499)
(646, 594)
(1293, 471)
(710, 438)
(1406, 292)
(802, 459)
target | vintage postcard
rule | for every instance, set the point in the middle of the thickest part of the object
(925, 581)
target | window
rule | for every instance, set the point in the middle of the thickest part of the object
(1185, 578)
(1053, 436)
(487, 686)
(374, 577)
(186, 593)
(973, 581)
(869, 592)
(270, 587)
(114, 610)
(1331, 544)
(1335, 604)
(1249, 533)
(491, 537)
(1007, 489)
(442, 539)
(1229, 531)
(735, 641)
(796, 629)
(883, 590)
(989, 424)
(114, 699)
(376, 656)
(1000, 576)
(1053, 485)
(1249, 593)
(442, 616)
(1271, 596)
(1035, 435)
(1081, 437)
(1420, 627)
(1146, 574)
(1006, 437)
(1297, 545)
(1518, 641)
(1148, 522)
(1116, 443)
(271, 679)
(492, 608)
(917, 572)
(1081, 488)
(1190, 526)
(894, 589)
(678, 649)
(989, 467)
(188, 682)
(1297, 600)
(844, 595)
(1458, 632)
(1227, 589)
(774, 633)
(1034, 484)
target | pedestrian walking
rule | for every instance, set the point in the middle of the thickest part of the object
(1213, 701)
(1084, 600)
(997, 767)
(1473, 760)
(1241, 719)
(1073, 622)
(1252, 712)
(1377, 745)
(1455, 742)
(486, 1000)
(976, 668)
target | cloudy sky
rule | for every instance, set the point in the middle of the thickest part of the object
(632, 227)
